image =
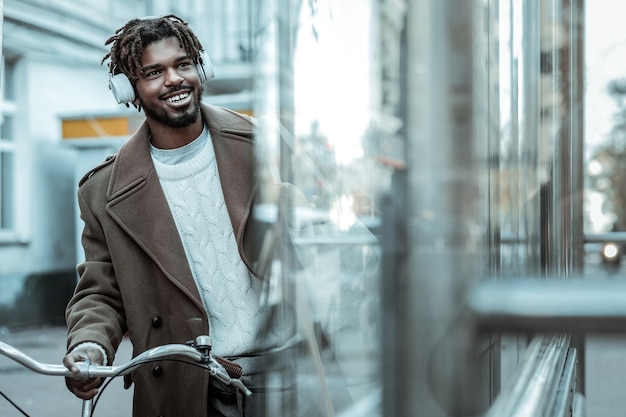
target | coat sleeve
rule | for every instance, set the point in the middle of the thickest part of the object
(95, 312)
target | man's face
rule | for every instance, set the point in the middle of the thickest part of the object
(168, 85)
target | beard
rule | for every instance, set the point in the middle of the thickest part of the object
(181, 119)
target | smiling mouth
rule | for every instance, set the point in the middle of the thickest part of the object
(177, 98)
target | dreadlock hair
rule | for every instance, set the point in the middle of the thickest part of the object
(129, 41)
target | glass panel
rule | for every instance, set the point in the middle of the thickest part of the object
(317, 133)
(334, 164)
(489, 151)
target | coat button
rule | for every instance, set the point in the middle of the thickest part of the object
(157, 371)
(157, 322)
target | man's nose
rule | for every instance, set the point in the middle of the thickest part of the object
(172, 77)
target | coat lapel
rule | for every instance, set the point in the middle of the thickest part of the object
(234, 152)
(137, 203)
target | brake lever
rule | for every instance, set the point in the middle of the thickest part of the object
(217, 370)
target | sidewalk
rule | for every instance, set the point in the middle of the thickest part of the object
(47, 396)
(605, 375)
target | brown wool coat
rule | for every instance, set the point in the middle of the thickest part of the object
(135, 277)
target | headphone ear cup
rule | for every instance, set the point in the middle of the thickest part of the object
(122, 88)
(205, 69)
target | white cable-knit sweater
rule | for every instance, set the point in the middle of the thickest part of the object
(190, 180)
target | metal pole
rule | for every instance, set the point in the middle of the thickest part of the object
(443, 211)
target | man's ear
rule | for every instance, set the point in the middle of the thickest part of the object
(136, 101)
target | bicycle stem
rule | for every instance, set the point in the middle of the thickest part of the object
(87, 408)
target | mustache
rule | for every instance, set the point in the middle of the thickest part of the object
(176, 89)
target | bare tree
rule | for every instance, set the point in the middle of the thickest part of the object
(612, 156)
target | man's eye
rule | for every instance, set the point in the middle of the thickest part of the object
(153, 73)
(184, 64)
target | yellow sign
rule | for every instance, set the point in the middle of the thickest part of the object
(95, 127)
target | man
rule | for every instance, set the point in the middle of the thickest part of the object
(168, 236)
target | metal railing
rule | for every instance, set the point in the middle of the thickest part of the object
(619, 237)
(549, 305)
(544, 381)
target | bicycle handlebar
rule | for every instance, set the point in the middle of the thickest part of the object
(28, 362)
(198, 353)
(86, 370)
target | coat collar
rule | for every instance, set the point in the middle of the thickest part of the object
(234, 155)
(134, 163)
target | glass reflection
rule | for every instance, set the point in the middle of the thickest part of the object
(315, 133)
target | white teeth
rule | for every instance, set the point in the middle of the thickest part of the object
(178, 97)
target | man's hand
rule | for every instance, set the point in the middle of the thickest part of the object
(83, 388)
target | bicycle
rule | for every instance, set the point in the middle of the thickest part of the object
(196, 353)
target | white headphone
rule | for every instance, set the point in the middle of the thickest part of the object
(123, 89)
